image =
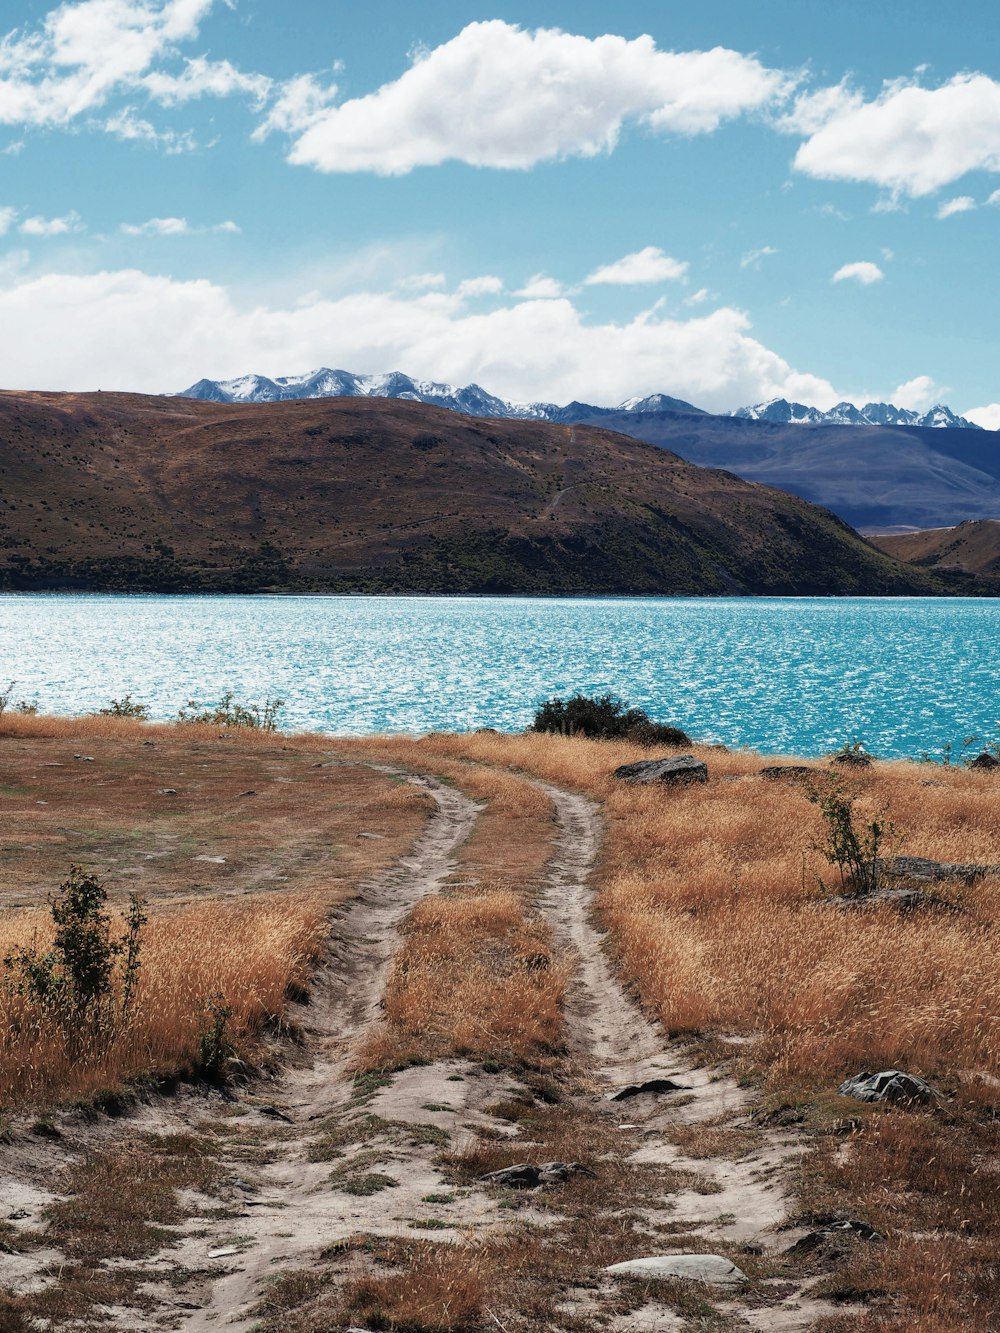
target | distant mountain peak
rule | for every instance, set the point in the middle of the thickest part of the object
(846, 414)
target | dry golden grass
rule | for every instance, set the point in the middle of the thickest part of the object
(246, 931)
(476, 975)
(709, 896)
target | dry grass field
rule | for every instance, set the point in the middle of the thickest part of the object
(241, 848)
(715, 921)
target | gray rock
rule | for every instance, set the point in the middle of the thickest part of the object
(788, 773)
(891, 1085)
(709, 1268)
(525, 1176)
(654, 1085)
(985, 761)
(923, 871)
(677, 769)
(834, 1230)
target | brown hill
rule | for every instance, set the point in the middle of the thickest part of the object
(971, 548)
(127, 492)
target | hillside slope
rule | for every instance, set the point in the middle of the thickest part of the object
(121, 491)
(874, 477)
(970, 548)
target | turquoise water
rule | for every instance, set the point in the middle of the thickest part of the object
(781, 675)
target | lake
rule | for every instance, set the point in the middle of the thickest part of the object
(783, 675)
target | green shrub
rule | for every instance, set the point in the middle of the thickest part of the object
(855, 852)
(125, 707)
(228, 713)
(86, 981)
(604, 718)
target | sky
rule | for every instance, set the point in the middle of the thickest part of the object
(723, 202)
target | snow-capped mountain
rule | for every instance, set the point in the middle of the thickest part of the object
(846, 414)
(472, 400)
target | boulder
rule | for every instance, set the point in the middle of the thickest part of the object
(788, 773)
(681, 768)
(891, 1085)
(653, 1085)
(708, 1268)
(851, 758)
(835, 1229)
(985, 762)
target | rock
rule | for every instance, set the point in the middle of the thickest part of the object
(677, 769)
(851, 758)
(273, 1113)
(924, 871)
(379, 837)
(891, 1085)
(251, 792)
(225, 1252)
(524, 1176)
(709, 1268)
(985, 762)
(654, 1085)
(788, 773)
(832, 1230)
(167, 791)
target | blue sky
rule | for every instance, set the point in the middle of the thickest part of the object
(723, 202)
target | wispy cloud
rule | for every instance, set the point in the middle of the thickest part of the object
(753, 258)
(964, 203)
(171, 226)
(862, 271)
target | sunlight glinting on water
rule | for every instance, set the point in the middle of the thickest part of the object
(796, 675)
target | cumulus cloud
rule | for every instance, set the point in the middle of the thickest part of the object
(39, 226)
(963, 204)
(988, 417)
(83, 53)
(160, 334)
(499, 96)
(645, 266)
(918, 394)
(487, 284)
(863, 271)
(752, 258)
(910, 140)
(540, 288)
(994, 198)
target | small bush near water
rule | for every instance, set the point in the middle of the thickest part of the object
(604, 718)
(228, 713)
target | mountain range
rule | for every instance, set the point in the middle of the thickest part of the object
(875, 467)
(477, 402)
(367, 494)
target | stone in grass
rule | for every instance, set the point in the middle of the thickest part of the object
(524, 1176)
(709, 1268)
(682, 768)
(985, 761)
(891, 1085)
(788, 773)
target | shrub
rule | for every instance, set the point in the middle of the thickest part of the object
(852, 754)
(86, 981)
(854, 852)
(21, 706)
(604, 718)
(228, 713)
(125, 707)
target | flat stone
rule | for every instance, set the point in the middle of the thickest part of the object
(708, 1268)
(525, 1176)
(682, 768)
(788, 773)
(167, 791)
(925, 871)
(891, 1085)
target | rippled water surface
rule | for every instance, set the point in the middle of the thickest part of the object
(780, 675)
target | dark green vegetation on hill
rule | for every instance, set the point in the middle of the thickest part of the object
(131, 493)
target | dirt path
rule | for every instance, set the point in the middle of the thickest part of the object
(288, 1215)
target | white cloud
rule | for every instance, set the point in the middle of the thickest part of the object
(963, 204)
(157, 227)
(498, 96)
(8, 216)
(909, 140)
(699, 297)
(918, 394)
(540, 288)
(645, 266)
(422, 282)
(175, 227)
(862, 271)
(994, 198)
(126, 125)
(161, 334)
(38, 226)
(201, 77)
(988, 417)
(485, 285)
(301, 103)
(752, 258)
